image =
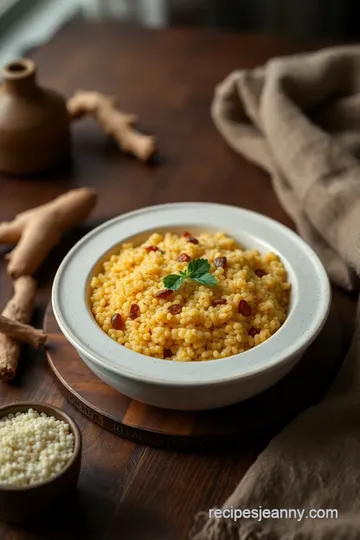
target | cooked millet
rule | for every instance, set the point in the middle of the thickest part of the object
(200, 331)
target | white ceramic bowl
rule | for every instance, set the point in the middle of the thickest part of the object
(192, 385)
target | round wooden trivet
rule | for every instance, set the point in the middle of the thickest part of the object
(255, 419)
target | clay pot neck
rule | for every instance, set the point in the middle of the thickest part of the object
(20, 76)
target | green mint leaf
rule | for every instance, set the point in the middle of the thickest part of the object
(197, 270)
(197, 267)
(173, 281)
(205, 279)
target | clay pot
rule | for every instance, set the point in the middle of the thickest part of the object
(34, 123)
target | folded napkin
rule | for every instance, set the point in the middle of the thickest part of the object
(299, 119)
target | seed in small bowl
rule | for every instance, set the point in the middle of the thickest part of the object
(34, 448)
(40, 460)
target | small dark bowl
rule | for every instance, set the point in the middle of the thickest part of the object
(29, 504)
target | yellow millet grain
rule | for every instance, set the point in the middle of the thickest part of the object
(201, 331)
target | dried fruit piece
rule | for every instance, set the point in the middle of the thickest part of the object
(220, 262)
(164, 293)
(184, 257)
(253, 331)
(186, 233)
(193, 240)
(175, 309)
(244, 308)
(260, 273)
(117, 322)
(134, 311)
(219, 302)
(151, 248)
(167, 353)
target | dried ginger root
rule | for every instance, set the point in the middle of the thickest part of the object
(22, 332)
(19, 308)
(38, 230)
(114, 122)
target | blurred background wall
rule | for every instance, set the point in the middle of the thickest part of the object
(24, 23)
(334, 18)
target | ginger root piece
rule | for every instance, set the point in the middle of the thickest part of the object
(114, 122)
(38, 230)
(22, 332)
(19, 308)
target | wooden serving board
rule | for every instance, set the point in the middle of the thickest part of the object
(255, 419)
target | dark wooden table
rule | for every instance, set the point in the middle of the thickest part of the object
(168, 79)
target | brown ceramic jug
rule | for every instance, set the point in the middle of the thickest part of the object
(34, 123)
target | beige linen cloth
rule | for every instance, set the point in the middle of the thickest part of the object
(299, 119)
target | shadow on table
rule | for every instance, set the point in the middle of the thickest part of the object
(48, 269)
(94, 516)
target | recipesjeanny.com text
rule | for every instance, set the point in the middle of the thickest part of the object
(260, 513)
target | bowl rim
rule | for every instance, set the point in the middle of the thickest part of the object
(66, 418)
(76, 268)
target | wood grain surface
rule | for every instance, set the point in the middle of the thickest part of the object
(127, 490)
(253, 420)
